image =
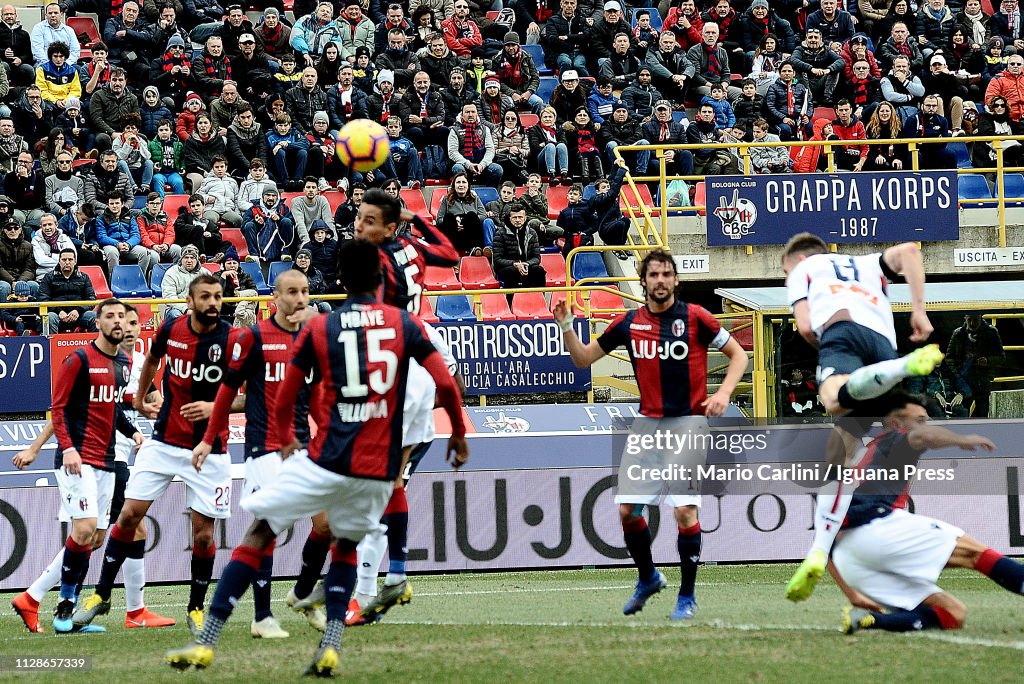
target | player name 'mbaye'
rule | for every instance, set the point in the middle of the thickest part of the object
(361, 318)
(845, 193)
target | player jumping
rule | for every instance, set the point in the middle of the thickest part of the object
(841, 306)
(360, 353)
(668, 342)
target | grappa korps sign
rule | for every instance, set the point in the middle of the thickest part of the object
(840, 207)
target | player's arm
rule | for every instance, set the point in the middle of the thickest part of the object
(30, 453)
(802, 314)
(238, 404)
(437, 249)
(934, 437)
(66, 381)
(852, 595)
(141, 402)
(905, 259)
(126, 427)
(582, 355)
(450, 399)
(284, 409)
(716, 404)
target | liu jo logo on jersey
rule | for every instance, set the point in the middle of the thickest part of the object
(737, 217)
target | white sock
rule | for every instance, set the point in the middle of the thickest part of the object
(49, 578)
(134, 573)
(394, 578)
(833, 502)
(370, 552)
(877, 379)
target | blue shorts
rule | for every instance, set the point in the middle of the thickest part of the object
(847, 346)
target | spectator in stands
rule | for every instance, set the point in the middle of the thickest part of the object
(129, 39)
(583, 144)
(672, 70)
(167, 156)
(622, 129)
(929, 124)
(460, 215)
(225, 108)
(317, 284)
(1006, 24)
(15, 48)
(27, 190)
(56, 79)
(685, 21)
(394, 20)
(1010, 85)
(819, 67)
(65, 283)
(967, 62)
(461, 33)
(900, 44)
(47, 245)
(288, 150)
(75, 128)
(193, 228)
(662, 129)
(17, 263)
(536, 204)
(749, 106)
(646, 37)
(95, 73)
(220, 190)
(323, 250)
(422, 112)
(246, 140)
(856, 49)
(50, 31)
(995, 120)
(105, 180)
(394, 188)
(397, 56)
(622, 64)
(383, 103)
(849, 157)
(974, 354)
(511, 148)
(704, 131)
(641, 95)
(252, 68)
(518, 74)
(808, 159)
(156, 231)
(710, 61)
(344, 101)
(79, 224)
(174, 73)
(355, 30)
(186, 121)
(33, 116)
(132, 150)
(940, 81)
(548, 147)
(234, 27)
(268, 228)
(273, 36)
(604, 29)
(885, 124)
(902, 89)
(22, 320)
(345, 215)
(404, 162)
(63, 188)
(322, 161)
(237, 283)
(471, 148)
(201, 148)
(176, 281)
(767, 159)
(863, 90)
(789, 103)
(109, 106)
(759, 21)
(152, 111)
(440, 61)
(493, 104)
(118, 235)
(577, 221)
(724, 115)
(251, 189)
(517, 252)
(767, 60)
(564, 39)
(935, 24)
(305, 100)
(287, 76)
(568, 96)
(309, 207)
(612, 226)
(722, 15)
(456, 94)
(835, 25)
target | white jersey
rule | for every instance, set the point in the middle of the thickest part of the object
(833, 282)
(418, 416)
(122, 445)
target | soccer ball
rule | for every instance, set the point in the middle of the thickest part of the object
(363, 145)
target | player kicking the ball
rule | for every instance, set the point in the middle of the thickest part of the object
(841, 306)
(668, 342)
(360, 354)
(886, 560)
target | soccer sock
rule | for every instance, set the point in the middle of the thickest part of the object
(75, 557)
(1006, 573)
(922, 617)
(638, 541)
(338, 582)
(314, 553)
(113, 558)
(47, 580)
(371, 551)
(202, 572)
(134, 571)
(829, 513)
(236, 578)
(877, 379)
(396, 517)
(261, 584)
(688, 542)
(85, 571)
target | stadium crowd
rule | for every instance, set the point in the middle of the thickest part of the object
(192, 98)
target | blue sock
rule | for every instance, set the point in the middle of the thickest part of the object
(340, 580)
(689, 544)
(638, 540)
(236, 578)
(118, 545)
(922, 617)
(1008, 574)
(314, 553)
(398, 544)
(261, 587)
(76, 557)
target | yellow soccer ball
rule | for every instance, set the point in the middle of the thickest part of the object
(363, 145)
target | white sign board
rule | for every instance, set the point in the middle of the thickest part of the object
(988, 256)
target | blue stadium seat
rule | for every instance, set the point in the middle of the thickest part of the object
(487, 195)
(679, 116)
(454, 308)
(963, 157)
(588, 265)
(546, 87)
(656, 20)
(588, 191)
(253, 269)
(1013, 189)
(128, 280)
(156, 276)
(537, 52)
(276, 269)
(973, 186)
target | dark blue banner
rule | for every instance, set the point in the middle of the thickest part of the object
(841, 207)
(24, 374)
(515, 357)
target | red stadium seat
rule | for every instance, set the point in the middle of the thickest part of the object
(427, 311)
(99, 281)
(600, 299)
(558, 199)
(530, 306)
(146, 316)
(628, 196)
(494, 307)
(475, 274)
(575, 304)
(87, 26)
(441, 278)
(824, 113)
(529, 119)
(213, 268)
(554, 266)
(289, 197)
(414, 202)
(172, 203)
(700, 198)
(435, 201)
(235, 237)
(335, 198)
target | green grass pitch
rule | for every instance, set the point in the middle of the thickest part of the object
(565, 626)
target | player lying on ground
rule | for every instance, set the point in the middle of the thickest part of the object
(886, 560)
(841, 306)
(360, 355)
(668, 342)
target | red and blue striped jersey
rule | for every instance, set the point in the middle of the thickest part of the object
(195, 367)
(360, 354)
(404, 262)
(669, 353)
(877, 497)
(87, 411)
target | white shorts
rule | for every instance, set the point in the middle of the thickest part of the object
(207, 492)
(87, 495)
(418, 412)
(649, 475)
(261, 472)
(895, 560)
(302, 489)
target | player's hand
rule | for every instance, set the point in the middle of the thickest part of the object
(859, 600)
(716, 404)
(303, 316)
(561, 311)
(458, 452)
(197, 410)
(150, 409)
(72, 462)
(24, 458)
(975, 442)
(199, 455)
(138, 439)
(921, 326)
(290, 448)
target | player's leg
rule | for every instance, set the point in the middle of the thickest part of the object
(971, 553)
(688, 542)
(80, 500)
(938, 611)
(26, 604)
(261, 472)
(637, 537)
(204, 552)
(305, 597)
(137, 615)
(369, 553)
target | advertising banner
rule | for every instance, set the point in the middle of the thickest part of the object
(24, 374)
(840, 207)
